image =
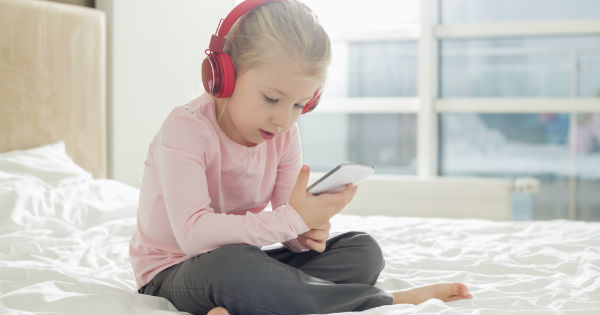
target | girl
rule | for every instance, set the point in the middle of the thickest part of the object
(217, 162)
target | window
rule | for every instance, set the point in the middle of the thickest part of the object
(386, 141)
(520, 99)
(565, 66)
(505, 88)
(587, 164)
(368, 110)
(511, 146)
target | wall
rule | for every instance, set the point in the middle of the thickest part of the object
(155, 52)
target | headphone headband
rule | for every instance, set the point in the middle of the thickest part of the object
(217, 41)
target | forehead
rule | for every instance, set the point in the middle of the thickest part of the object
(281, 75)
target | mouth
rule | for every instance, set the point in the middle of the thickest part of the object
(266, 135)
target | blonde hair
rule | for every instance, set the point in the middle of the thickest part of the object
(284, 31)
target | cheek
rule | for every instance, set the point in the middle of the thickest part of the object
(247, 101)
(294, 120)
(297, 115)
(246, 115)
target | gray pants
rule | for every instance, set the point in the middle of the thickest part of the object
(247, 280)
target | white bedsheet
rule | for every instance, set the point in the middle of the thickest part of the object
(64, 250)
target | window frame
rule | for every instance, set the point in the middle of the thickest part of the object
(433, 32)
(428, 104)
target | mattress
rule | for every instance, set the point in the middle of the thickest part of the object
(64, 250)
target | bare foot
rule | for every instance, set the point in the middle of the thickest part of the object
(218, 311)
(444, 291)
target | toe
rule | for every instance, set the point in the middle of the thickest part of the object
(461, 289)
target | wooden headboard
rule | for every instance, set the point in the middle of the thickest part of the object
(53, 79)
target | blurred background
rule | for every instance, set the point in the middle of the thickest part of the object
(513, 90)
(477, 88)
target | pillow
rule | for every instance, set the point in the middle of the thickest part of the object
(49, 163)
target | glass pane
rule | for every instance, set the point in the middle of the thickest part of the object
(331, 138)
(339, 17)
(373, 69)
(369, 68)
(520, 67)
(382, 69)
(512, 145)
(489, 11)
(588, 199)
(589, 74)
(587, 144)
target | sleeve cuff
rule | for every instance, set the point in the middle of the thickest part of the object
(298, 225)
(295, 221)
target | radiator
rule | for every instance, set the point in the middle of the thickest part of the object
(440, 196)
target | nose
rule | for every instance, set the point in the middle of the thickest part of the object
(283, 116)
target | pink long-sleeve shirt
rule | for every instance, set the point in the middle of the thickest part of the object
(200, 190)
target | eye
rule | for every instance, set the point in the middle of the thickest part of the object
(271, 100)
(299, 106)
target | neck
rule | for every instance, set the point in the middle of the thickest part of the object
(219, 109)
(224, 121)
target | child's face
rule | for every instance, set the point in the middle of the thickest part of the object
(267, 101)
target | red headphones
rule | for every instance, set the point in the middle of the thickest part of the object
(218, 73)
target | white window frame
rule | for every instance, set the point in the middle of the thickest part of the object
(427, 105)
(511, 29)
(499, 105)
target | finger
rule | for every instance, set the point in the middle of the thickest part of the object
(306, 242)
(348, 193)
(316, 246)
(303, 241)
(341, 198)
(302, 181)
(322, 246)
(351, 193)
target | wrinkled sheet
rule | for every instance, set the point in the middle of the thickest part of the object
(64, 250)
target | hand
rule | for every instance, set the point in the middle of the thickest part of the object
(317, 210)
(315, 239)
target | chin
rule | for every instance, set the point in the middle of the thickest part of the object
(252, 143)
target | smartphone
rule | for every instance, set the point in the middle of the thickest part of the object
(337, 179)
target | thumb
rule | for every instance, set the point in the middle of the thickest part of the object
(302, 180)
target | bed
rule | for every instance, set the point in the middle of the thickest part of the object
(65, 228)
(64, 243)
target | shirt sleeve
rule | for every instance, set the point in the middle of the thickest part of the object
(287, 174)
(182, 150)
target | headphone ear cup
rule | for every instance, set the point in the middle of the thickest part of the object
(314, 101)
(218, 75)
(208, 74)
(226, 75)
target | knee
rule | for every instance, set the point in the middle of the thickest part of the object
(371, 249)
(235, 265)
(368, 252)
